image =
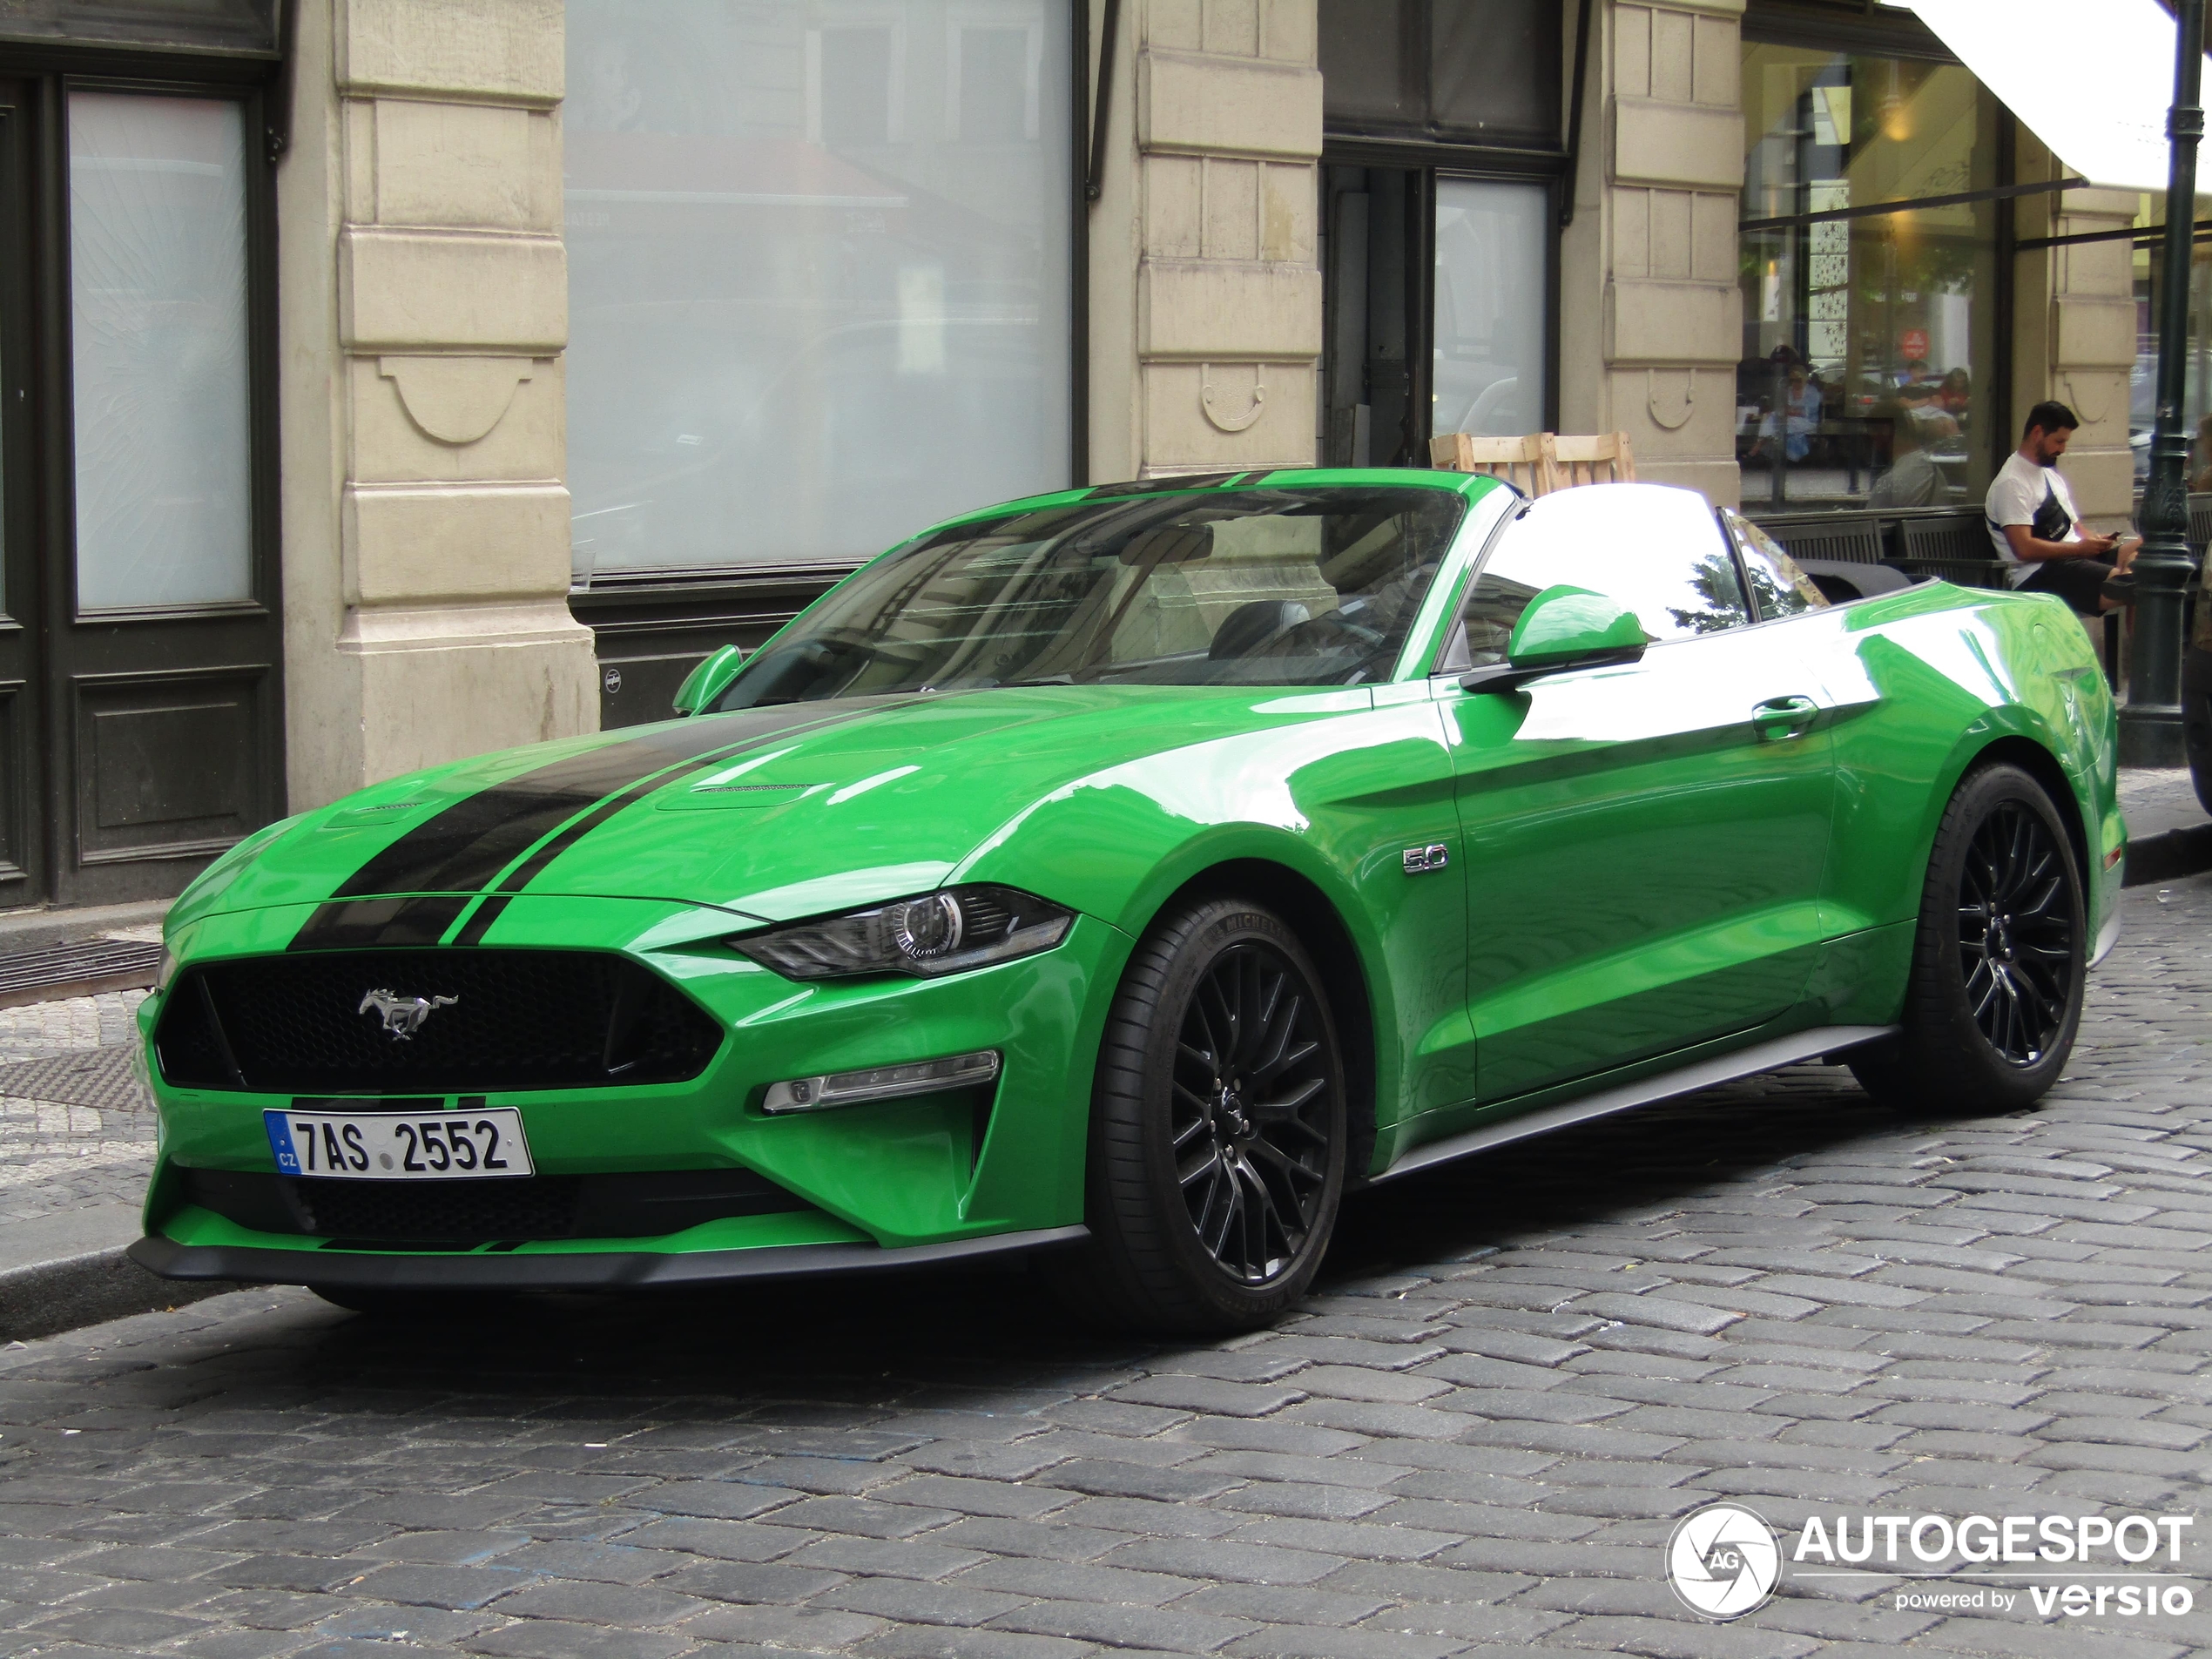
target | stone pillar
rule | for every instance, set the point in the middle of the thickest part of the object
(2075, 335)
(423, 309)
(1205, 297)
(1650, 315)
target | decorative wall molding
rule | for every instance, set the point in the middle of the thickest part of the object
(1654, 404)
(1218, 407)
(455, 399)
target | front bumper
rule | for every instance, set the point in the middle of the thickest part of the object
(995, 1169)
(575, 1271)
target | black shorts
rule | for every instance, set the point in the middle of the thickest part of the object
(2079, 581)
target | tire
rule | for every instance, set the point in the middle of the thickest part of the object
(1218, 1131)
(1999, 965)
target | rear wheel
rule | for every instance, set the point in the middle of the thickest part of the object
(1218, 1143)
(1998, 962)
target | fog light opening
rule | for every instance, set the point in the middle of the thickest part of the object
(881, 1082)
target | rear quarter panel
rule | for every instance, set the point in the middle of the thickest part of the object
(1930, 681)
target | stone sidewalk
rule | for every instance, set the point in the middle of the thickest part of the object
(76, 1130)
(2157, 801)
(1473, 1438)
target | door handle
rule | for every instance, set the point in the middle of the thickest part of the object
(1780, 719)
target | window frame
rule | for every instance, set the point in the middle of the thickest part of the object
(1722, 514)
(264, 422)
(1429, 157)
(1851, 27)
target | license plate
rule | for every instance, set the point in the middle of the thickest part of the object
(461, 1145)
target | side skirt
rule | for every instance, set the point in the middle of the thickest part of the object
(1666, 1085)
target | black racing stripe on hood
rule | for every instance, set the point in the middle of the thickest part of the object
(457, 853)
(422, 919)
(488, 912)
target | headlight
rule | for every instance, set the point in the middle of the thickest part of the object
(166, 972)
(947, 932)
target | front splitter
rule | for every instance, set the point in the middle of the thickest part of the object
(580, 1271)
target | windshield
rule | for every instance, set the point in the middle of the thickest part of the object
(1248, 586)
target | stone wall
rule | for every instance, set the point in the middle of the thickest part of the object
(423, 311)
(1205, 297)
(1650, 324)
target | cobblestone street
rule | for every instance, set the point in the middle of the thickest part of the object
(1475, 1439)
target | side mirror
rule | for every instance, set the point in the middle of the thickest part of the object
(709, 680)
(1563, 627)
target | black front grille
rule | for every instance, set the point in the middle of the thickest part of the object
(517, 1019)
(463, 1214)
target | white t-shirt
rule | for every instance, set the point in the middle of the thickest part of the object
(2014, 495)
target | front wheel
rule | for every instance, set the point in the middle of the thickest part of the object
(1998, 968)
(1218, 1137)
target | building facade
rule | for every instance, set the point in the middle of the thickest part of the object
(387, 381)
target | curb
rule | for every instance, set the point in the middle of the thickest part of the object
(2165, 857)
(62, 1272)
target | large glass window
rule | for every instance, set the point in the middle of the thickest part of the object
(1481, 71)
(2142, 385)
(1868, 338)
(157, 321)
(1491, 296)
(819, 273)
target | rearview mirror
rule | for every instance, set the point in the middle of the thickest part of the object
(709, 680)
(1563, 627)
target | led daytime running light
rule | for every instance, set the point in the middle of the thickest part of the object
(881, 1082)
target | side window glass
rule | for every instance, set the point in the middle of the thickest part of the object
(1656, 550)
(1778, 586)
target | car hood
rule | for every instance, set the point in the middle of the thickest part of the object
(771, 813)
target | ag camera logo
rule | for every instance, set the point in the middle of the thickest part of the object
(1723, 1561)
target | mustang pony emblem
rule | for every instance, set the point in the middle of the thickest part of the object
(403, 1016)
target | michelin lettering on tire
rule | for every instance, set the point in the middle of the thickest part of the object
(1723, 1561)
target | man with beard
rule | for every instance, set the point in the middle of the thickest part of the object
(2037, 530)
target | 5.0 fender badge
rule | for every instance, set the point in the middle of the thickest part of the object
(403, 1016)
(1420, 860)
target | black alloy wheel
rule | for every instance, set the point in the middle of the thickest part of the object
(2000, 963)
(1218, 1136)
(2016, 933)
(1249, 1111)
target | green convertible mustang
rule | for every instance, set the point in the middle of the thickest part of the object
(1123, 873)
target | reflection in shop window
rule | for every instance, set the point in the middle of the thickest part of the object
(995, 97)
(159, 381)
(1491, 294)
(1867, 339)
(819, 274)
(2197, 384)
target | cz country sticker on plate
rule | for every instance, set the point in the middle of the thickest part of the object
(462, 1144)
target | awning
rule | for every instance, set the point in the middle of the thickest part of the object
(2092, 79)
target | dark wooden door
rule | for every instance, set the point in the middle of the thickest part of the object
(23, 863)
(140, 697)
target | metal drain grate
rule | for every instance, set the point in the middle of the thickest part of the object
(101, 1078)
(84, 969)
